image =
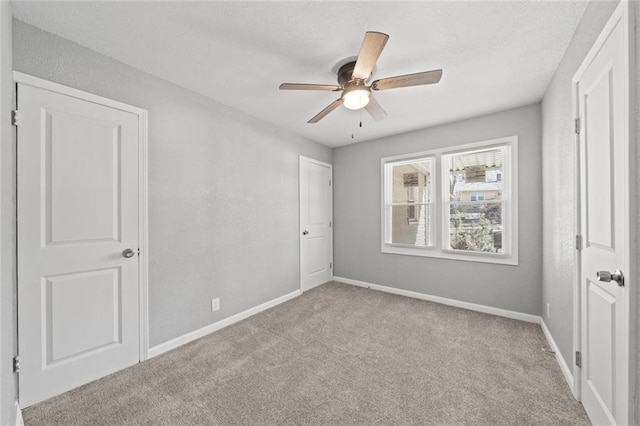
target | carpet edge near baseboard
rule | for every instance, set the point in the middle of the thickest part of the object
(218, 325)
(211, 328)
(566, 371)
(443, 300)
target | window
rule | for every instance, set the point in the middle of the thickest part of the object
(409, 202)
(412, 183)
(477, 196)
(474, 208)
(456, 203)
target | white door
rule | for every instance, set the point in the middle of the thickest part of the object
(316, 240)
(603, 105)
(77, 214)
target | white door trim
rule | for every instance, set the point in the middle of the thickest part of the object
(577, 382)
(624, 14)
(330, 167)
(142, 114)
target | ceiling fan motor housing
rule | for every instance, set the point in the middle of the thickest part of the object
(345, 73)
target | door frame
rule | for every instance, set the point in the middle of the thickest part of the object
(143, 239)
(624, 14)
(330, 167)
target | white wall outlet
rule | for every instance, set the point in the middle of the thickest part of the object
(215, 304)
(548, 309)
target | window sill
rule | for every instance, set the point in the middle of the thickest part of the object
(500, 259)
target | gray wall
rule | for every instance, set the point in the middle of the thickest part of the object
(637, 93)
(223, 188)
(357, 210)
(558, 181)
(7, 224)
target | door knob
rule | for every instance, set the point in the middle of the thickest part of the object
(305, 232)
(607, 277)
(128, 253)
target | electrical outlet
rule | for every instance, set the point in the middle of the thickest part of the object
(215, 304)
(548, 309)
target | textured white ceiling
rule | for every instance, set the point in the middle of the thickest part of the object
(495, 55)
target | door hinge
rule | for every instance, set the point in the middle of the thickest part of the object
(329, 224)
(577, 125)
(330, 265)
(578, 242)
(329, 182)
(15, 117)
(16, 364)
(579, 359)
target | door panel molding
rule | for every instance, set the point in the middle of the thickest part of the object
(142, 192)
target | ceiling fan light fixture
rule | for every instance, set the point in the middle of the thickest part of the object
(353, 76)
(356, 98)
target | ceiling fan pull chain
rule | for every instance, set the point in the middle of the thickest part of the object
(353, 130)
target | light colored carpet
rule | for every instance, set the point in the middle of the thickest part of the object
(337, 355)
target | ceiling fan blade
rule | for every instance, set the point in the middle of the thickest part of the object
(375, 110)
(369, 53)
(298, 86)
(319, 116)
(417, 79)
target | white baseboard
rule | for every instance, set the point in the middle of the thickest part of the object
(190, 337)
(568, 375)
(443, 300)
(19, 419)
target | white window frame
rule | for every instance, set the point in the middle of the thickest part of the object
(387, 198)
(440, 204)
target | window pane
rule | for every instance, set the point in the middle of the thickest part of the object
(411, 225)
(412, 182)
(476, 227)
(475, 176)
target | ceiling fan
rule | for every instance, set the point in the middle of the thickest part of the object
(353, 76)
